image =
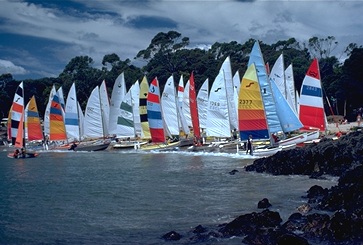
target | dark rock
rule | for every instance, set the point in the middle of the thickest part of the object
(251, 223)
(172, 236)
(264, 203)
(288, 239)
(233, 171)
(199, 229)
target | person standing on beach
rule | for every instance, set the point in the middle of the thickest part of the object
(249, 145)
(359, 117)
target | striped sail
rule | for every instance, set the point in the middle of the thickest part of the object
(125, 121)
(33, 127)
(17, 113)
(71, 115)
(154, 115)
(57, 129)
(251, 112)
(169, 105)
(144, 89)
(194, 107)
(267, 96)
(311, 112)
(202, 102)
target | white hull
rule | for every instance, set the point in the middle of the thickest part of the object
(262, 152)
(298, 139)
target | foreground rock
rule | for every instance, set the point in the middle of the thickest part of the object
(332, 157)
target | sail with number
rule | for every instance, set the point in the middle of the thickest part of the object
(251, 111)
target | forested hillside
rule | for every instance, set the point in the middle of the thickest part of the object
(170, 53)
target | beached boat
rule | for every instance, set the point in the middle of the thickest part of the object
(252, 116)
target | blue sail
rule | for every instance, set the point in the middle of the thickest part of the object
(288, 119)
(267, 96)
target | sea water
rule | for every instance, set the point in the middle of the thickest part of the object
(127, 197)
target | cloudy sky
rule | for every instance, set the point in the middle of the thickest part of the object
(38, 38)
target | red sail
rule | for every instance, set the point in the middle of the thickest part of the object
(194, 107)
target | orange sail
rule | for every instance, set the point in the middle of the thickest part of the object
(33, 125)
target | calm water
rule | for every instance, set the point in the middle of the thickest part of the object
(132, 198)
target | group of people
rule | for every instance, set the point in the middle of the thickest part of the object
(20, 154)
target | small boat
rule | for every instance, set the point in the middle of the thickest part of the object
(159, 146)
(93, 146)
(129, 144)
(18, 126)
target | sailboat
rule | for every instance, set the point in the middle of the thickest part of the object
(144, 89)
(169, 105)
(72, 121)
(17, 125)
(94, 130)
(182, 120)
(33, 127)
(155, 119)
(118, 93)
(311, 107)
(251, 113)
(194, 108)
(218, 118)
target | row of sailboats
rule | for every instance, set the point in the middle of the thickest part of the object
(260, 105)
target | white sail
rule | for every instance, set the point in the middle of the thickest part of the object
(218, 124)
(71, 115)
(169, 107)
(118, 93)
(46, 122)
(182, 121)
(290, 87)
(186, 105)
(278, 76)
(61, 97)
(202, 102)
(81, 121)
(105, 107)
(231, 96)
(135, 95)
(125, 121)
(93, 126)
(236, 85)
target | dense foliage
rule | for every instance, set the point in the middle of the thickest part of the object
(168, 54)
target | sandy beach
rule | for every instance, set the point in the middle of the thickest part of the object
(344, 128)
